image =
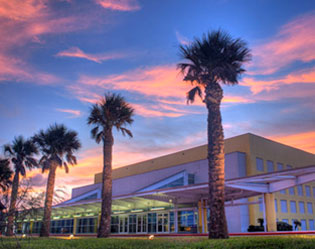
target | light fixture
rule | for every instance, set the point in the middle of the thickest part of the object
(151, 237)
(136, 210)
(77, 215)
(118, 212)
(157, 208)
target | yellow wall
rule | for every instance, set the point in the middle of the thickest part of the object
(278, 153)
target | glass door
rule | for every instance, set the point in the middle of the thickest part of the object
(141, 223)
(123, 224)
(163, 223)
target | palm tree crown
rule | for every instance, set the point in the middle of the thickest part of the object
(111, 111)
(57, 145)
(21, 152)
(216, 58)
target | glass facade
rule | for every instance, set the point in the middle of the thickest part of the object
(61, 226)
(86, 225)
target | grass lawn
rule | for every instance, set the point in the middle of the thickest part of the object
(276, 242)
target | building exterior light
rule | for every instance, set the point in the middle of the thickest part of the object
(136, 210)
(157, 208)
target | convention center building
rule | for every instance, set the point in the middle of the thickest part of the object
(168, 194)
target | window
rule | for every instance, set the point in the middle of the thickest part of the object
(259, 164)
(314, 192)
(301, 207)
(284, 207)
(61, 226)
(285, 220)
(191, 179)
(185, 221)
(293, 206)
(260, 204)
(114, 224)
(36, 227)
(300, 190)
(279, 166)
(86, 225)
(291, 191)
(276, 205)
(311, 224)
(270, 167)
(308, 191)
(152, 222)
(283, 191)
(132, 223)
(303, 224)
(310, 207)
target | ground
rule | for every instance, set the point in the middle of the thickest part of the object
(275, 242)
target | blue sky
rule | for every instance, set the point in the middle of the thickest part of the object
(59, 57)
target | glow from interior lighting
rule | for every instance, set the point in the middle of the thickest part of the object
(136, 210)
(77, 215)
(157, 208)
(118, 212)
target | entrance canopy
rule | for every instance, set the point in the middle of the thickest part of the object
(237, 188)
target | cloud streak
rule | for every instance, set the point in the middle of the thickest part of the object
(294, 42)
(74, 113)
(119, 5)
(98, 58)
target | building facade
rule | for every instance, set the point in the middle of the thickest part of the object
(168, 194)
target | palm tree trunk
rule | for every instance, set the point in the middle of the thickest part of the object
(14, 194)
(45, 229)
(217, 222)
(104, 228)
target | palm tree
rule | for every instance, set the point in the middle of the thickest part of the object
(5, 174)
(111, 111)
(57, 145)
(215, 59)
(21, 154)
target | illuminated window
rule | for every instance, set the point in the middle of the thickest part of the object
(86, 225)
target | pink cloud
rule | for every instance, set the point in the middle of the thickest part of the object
(98, 58)
(294, 42)
(306, 76)
(119, 5)
(22, 23)
(74, 113)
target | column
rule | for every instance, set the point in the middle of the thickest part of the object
(74, 225)
(270, 212)
(205, 216)
(200, 217)
(175, 218)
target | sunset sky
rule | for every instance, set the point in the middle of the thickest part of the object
(58, 57)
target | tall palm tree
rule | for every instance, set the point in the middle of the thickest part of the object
(215, 59)
(5, 174)
(21, 154)
(57, 145)
(111, 111)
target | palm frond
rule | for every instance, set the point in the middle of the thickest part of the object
(192, 94)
